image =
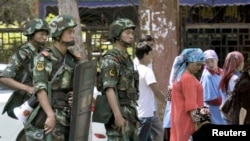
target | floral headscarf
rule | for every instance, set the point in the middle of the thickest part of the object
(179, 66)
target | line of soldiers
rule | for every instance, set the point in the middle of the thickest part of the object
(47, 74)
(33, 68)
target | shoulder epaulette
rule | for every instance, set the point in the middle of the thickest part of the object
(113, 54)
(45, 53)
(78, 56)
(116, 59)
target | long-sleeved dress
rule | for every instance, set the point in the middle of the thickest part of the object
(187, 95)
(213, 95)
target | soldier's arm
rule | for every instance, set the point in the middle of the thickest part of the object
(42, 69)
(44, 102)
(110, 80)
(112, 99)
(15, 85)
(8, 75)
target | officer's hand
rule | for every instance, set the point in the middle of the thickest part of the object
(49, 124)
(70, 98)
(120, 122)
(70, 101)
(29, 90)
(93, 104)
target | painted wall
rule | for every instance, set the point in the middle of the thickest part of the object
(160, 19)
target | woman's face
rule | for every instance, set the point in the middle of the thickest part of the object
(194, 67)
(212, 64)
(241, 66)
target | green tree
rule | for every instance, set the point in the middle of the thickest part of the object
(16, 12)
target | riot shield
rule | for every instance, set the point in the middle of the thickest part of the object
(83, 88)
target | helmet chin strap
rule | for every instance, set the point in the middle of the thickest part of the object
(69, 43)
(38, 45)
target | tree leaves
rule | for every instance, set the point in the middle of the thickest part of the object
(16, 11)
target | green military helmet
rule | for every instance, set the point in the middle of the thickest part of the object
(34, 25)
(118, 26)
(59, 23)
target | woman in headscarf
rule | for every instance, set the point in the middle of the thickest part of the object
(233, 64)
(210, 80)
(187, 94)
(167, 114)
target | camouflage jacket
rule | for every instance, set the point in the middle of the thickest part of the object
(46, 67)
(21, 64)
(118, 72)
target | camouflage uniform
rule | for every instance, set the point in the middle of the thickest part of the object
(22, 63)
(22, 59)
(46, 67)
(118, 72)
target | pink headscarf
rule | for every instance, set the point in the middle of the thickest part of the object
(232, 62)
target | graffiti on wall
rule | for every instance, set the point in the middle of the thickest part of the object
(156, 23)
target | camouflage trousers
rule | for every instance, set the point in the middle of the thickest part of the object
(59, 133)
(114, 133)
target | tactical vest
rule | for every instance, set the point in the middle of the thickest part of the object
(63, 82)
(127, 87)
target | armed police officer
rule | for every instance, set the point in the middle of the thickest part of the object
(119, 82)
(18, 74)
(22, 62)
(52, 79)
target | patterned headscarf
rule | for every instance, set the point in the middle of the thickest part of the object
(179, 66)
(210, 54)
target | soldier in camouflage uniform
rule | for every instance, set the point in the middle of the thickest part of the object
(22, 62)
(120, 83)
(18, 74)
(58, 63)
